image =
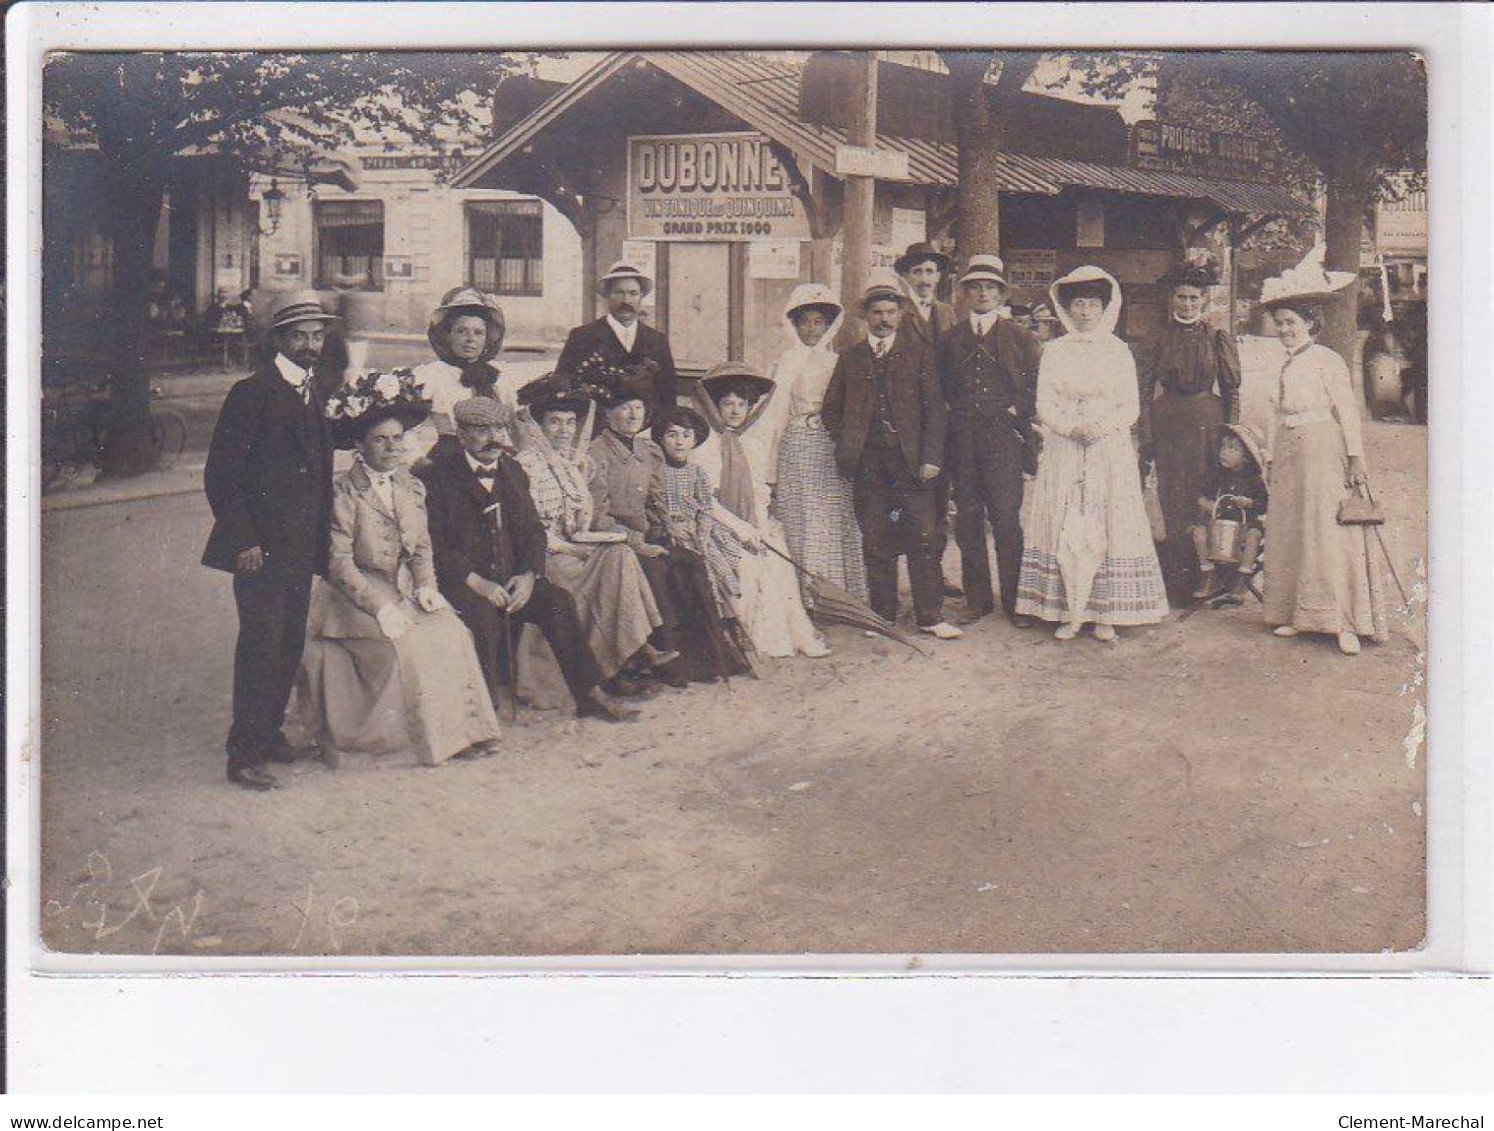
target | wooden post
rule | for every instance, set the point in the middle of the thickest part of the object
(856, 227)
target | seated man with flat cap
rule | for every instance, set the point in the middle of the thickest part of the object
(489, 548)
(596, 353)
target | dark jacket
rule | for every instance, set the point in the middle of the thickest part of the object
(269, 476)
(468, 538)
(918, 409)
(989, 376)
(650, 351)
(933, 331)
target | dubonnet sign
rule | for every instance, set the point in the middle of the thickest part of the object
(1170, 147)
(710, 187)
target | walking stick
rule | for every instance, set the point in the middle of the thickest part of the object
(1380, 538)
(510, 698)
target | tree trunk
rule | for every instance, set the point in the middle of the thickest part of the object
(133, 216)
(977, 226)
(1343, 228)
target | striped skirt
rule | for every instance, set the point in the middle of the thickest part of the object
(815, 506)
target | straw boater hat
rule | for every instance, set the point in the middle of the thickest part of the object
(1306, 284)
(467, 300)
(730, 373)
(623, 270)
(984, 268)
(814, 296)
(554, 393)
(918, 253)
(303, 306)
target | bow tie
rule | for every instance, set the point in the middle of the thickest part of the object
(487, 475)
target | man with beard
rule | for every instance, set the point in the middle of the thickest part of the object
(269, 484)
(619, 343)
(489, 547)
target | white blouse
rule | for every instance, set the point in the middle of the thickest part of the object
(1314, 386)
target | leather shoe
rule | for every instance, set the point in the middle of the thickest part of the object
(625, 686)
(253, 777)
(670, 677)
(970, 616)
(1021, 620)
(281, 754)
(598, 704)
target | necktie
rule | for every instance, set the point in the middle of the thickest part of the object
(880, 349)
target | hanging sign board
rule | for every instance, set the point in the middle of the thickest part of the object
(1031, 270)
(1171, 147)
(864, 161)
(710, 188)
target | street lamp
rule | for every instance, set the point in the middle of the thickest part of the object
(272, 198)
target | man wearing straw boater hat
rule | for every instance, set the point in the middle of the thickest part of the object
(617, 343)
(988, 369)
(269, 484)
(887, 414)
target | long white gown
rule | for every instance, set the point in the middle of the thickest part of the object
(771, 608)
(1088, 553)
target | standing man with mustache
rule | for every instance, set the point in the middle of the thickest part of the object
(618, 341)
(269, 484)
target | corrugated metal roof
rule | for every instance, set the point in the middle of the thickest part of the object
(764, 94)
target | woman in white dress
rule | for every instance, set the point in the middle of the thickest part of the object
(466, 331)
(1088, 553)
(1319, 574)
(810, 496)
(738, 457)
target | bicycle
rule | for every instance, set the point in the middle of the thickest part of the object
(76, 434)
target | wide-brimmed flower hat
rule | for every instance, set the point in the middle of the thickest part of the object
(467, 300)
(354, 408)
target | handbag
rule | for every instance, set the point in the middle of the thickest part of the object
(1360, 510)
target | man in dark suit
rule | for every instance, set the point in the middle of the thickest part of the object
(921, 269)
(619, 343)
(489, 548)
(886, 412)
(988, 368)
(269, 484)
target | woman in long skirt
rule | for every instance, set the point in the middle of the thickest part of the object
(613, 599)
(1319, 574)
(1088, 553)
(808, 493)
(735, 398)
(1190, 384)
(389, 670)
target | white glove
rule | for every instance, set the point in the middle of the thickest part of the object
(430, 600)
(392, 621)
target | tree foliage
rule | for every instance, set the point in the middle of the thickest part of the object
(146, 113)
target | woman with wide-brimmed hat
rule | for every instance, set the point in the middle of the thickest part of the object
(389, 672)
(808, 492)
(1190, 383)
(1319, 574)
(466, 332)
(614, 602)
(735, 398)
(1087, 546)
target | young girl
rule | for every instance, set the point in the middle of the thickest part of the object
(1239, 480)
(734, 398)
(705, 543)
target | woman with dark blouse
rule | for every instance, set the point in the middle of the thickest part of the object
(1190, 384)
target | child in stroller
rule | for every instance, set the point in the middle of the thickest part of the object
(1231, 531)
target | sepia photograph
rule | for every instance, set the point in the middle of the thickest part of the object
(734, 502)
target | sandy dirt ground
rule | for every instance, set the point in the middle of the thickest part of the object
(1197, 786)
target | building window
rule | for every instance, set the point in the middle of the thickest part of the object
(505, 241)
(93, 262)
(350, 244)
